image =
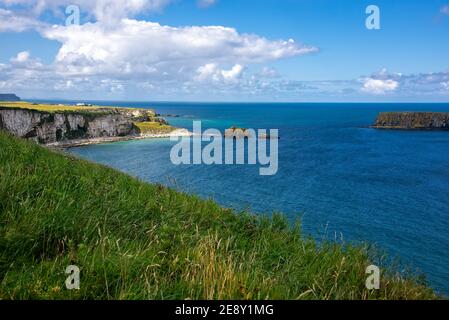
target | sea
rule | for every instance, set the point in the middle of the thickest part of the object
(345, 181)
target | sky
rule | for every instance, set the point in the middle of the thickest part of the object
(226, 50)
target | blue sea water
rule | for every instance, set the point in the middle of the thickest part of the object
(344, 179)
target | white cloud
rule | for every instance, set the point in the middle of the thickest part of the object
(383, 82)
(445, 85)
(378, 87)
(23, 62)
(100, 56)
(140, 47)
(145, 59)
(233, 74)
(445, 10)
(211, 72)
(102, 10)
(268, 72)
(9, 21)
(21, 57)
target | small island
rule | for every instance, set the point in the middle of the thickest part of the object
(244, 133)
(412, 121)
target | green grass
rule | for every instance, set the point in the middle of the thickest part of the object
(153, 128)
(61, 108)
(134, 240)
(48, 107)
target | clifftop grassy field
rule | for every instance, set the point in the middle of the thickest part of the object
(134, 240)
(45, 107)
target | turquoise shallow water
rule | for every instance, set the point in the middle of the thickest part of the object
(389, 188)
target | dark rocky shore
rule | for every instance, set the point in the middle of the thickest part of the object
(412, 121)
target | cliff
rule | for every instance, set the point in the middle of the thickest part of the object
(412, 121)
(9, 97)
(57, 124)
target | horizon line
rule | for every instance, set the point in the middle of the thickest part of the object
(234, 102)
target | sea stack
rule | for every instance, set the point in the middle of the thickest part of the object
(243, 133)
(412, 121)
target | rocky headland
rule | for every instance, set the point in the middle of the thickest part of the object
(65, 126)
(412, 121)
(9, 97)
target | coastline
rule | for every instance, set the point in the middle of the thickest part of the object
(125, 228)
(62, 126)
(179, 132)
(66, 145)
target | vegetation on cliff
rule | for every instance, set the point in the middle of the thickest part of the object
(44, 107)
(154, 128)
(135, 114)
(134, 240)
(62, 124)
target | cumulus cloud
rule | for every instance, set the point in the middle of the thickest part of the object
(141, 47)
(376, 86)
(26, 72)
(214, 82)
(423, 85)
(21, 57)
(381, 83)
(135, 53)
(23, 60)
(136, 58)
(211, 72)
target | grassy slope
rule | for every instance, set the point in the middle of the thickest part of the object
(153, 128)
(134, 240)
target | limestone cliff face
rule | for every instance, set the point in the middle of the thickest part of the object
(45, 127)
(413, 120)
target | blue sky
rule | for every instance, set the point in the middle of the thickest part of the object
(226, 50)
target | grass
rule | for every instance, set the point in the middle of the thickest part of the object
(56, 107)
(134, 240)
(153, 128)
(46, 107)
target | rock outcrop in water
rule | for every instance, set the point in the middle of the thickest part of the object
(412, 121)
(53, 127)
(243, 133)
